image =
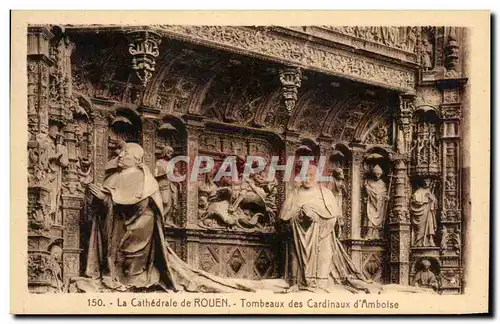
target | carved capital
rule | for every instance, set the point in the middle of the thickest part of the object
(144, 48)
(291, 80)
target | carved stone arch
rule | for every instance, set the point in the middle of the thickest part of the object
(208, 101)
(203, 89)
(342, 147)
(342, 101)
(267, 107)
(126, 125)
(308, 144)
(151, 91)
(378, 154)
(336, 121)
(428, 109)
(371, 120)
(300, 107)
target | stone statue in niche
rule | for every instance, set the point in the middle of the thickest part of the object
(427, 54)
(58, 159)
(55, 260)
(425, 278)
(423, 215)
(376, 203)
(169, 189)
(40, 215)
(248, 204)
(338, 188)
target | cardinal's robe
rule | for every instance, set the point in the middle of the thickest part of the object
(319, 258)
(127, 248)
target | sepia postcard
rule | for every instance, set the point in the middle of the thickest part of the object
(267, 162)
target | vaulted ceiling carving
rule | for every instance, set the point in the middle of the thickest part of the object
(231, 89)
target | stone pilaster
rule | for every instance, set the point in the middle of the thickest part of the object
(148, 139)
(399, 217)
(450, 200)
(399, 224)
(194, 127)
(100, 158)
(72, 207)
(40, 272)
(358, 153)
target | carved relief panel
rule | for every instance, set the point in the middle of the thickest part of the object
(228, 200)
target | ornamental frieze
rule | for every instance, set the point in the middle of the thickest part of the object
(265, 44)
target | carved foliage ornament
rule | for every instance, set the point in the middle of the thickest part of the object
(143, 46)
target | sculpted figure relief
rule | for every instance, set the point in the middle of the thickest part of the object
(425, 278)
(169, 189)
(56, 155)
(423, 215)
(248, 203)
(338, 188)
(376, 200)
(320, 261)
(127, 248)
(427, 54)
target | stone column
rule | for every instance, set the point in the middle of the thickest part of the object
(194, 127)
(100, 158)
(399, 216)
(72, 206)
(451, 212)
(40, 260)
(148, 140)
(356, 178)
(466, 158)
(190, 246)
(399, 224)
(358, 153)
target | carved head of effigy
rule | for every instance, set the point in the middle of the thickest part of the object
(167, 152)
(377, 171)
(310, 177)
(131, 155)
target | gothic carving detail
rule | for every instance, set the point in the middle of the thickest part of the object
(403, 38)
(290, 78)
(266, 44)
(144, 48)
